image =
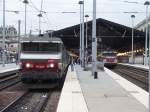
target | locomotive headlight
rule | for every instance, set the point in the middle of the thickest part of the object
(28, 65)
(52, 65)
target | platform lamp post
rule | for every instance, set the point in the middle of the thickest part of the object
(149, 76)
(19, 25)
(94, 43)
(3, 49)
(147, 3)
(83, 48)
(81, 55)
(86, 48)
(25, 2)
(39, 15)
(132, 55)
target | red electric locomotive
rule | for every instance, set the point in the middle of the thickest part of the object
(43, 61)
(109, 58)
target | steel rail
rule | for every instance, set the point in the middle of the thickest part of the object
(14, 101)
(9, 81)
(135, 75)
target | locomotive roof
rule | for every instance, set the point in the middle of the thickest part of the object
(41, 39)
(109, 52)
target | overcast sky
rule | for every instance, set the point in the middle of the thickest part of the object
(54, 19)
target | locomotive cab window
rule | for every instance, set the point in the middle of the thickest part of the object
(41, 47)
(109, 54)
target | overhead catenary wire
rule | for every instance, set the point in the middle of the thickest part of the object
(133, 2)
(106, 2)
(45, 13)
(40, 15)
(127, 1)
(76, 12)
(33, 6)
(47, 19)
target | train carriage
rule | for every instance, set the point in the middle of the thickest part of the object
(43, 60)
(109, 58)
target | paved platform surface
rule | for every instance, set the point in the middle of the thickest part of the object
(140, 94)
(71, 99)
(8, 67)
(106, 95)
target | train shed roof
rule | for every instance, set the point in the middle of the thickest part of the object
(111, 35)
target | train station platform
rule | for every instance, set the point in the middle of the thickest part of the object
(108, 93)
(8, 68)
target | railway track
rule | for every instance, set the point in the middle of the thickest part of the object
(8, 81)
(31, 102)
(39, 100)
(135, 75)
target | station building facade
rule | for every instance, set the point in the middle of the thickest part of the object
(10, 42)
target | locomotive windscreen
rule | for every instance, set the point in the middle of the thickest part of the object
(109, 54)
(40, 47)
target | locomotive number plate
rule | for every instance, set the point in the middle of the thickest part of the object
(40, 66)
